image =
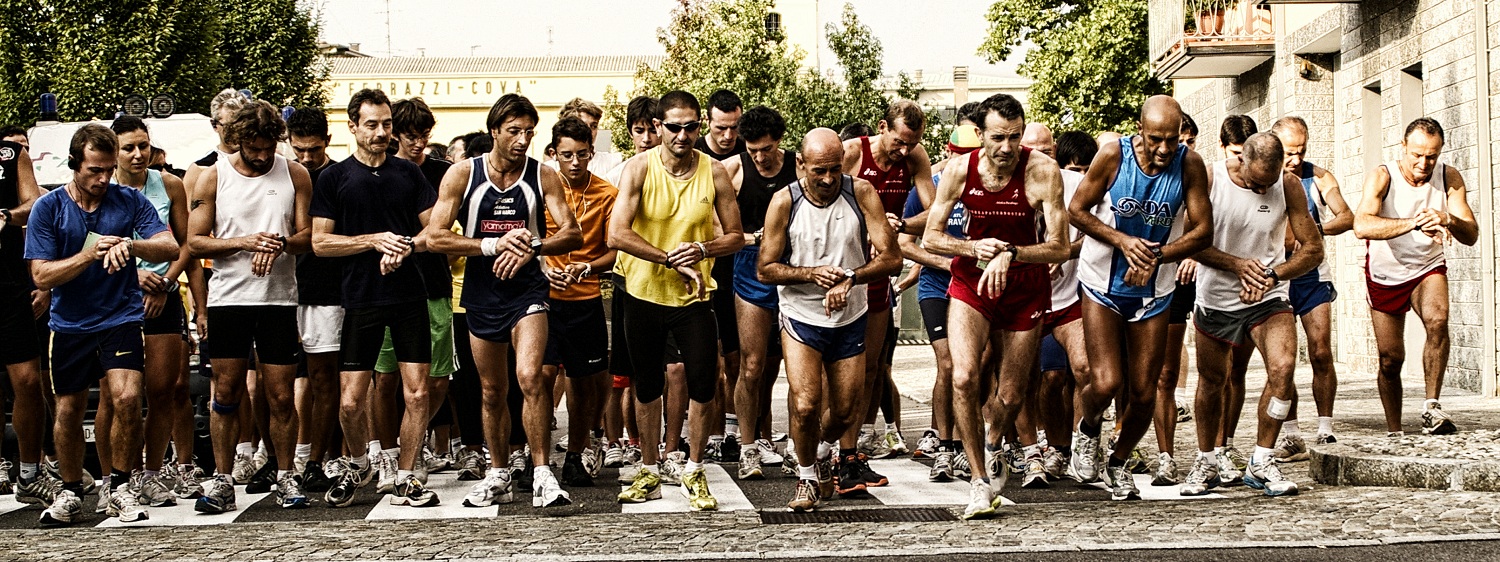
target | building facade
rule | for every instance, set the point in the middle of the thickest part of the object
(1357, 72)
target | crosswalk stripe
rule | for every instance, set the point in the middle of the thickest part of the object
(724, 488)
(8, 504)
(183, 515)
(909, 485)
(450, 492)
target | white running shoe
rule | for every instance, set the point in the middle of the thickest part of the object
(546, 493)
(124, 505)
(982, 501)
(65, 509)
(1084, 466)
(1204, 476)
(672, 468)
(1268, 477)
(496, 487)
(385, 470)
(1166, 470)
(768, 454)
(928, 445)
(750, 462)
(942, 466)
(244, 469)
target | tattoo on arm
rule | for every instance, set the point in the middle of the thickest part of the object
(197, 203)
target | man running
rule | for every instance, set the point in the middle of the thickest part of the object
(1242, 299)
(664, 222)
(368, 208)
(759, 172)
(97, 310)
(248, 212)
(818, 238)
(1132, 205)
(1410, 209)
(577, 338)
(505, 289)
(1312, 293)
(1001, 287)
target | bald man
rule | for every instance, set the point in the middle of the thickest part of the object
(1038, 137)
(816, 253)
(1243, 297)
(1144, 207)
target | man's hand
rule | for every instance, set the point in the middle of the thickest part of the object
(263, 242)
(1187, 271)
(118, 256)
(1253, 276)
(261, 262)
(1140, 276)
(517, 240)
(992, 281)
(390, 243)
(837, 297)
(201, 320)
(1250, 295)
(558, 279)
(686, 254)
(155, 302)
(40, 300)
(1433, 223)
(827, 276)
(1139, 253)
(987, 249)
(693, 281)
(508, 263)
(896, 223)
(576, 271)
(151, 282)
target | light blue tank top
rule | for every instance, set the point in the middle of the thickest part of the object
(156, 192)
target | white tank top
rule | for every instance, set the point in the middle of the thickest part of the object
(1408, 256)
(1246, 225)
(1065, 285)
(816, 236)
(246, 206)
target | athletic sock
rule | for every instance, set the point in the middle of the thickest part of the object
(1428, 404)
(261, 447)
(890, 428)
(1289, 427)
(808, 472)
(280, 474)
(374, 447)
(1262, 455)
(1207, 456)
(402, 474)
(29, 471)
(1325, 425)
(847, 452)
(361, 461)
(1180, 395)
(246, 448)
(731, 424)
(824, 449)
(1114, 462)
(654, 469)
(117, 478)
(304, 451)
(692, 467)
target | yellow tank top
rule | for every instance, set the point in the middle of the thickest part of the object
(671, 211)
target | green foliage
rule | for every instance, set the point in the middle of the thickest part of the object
(725, 44)
(93, 53)
(1090, 64)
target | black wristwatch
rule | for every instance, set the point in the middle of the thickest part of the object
(1013, 251)
(849, 273)
(6, 213)
(1268, 272)
(536, 246)
(1156, 251)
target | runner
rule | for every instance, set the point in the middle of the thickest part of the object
(1410, 209)
(248, 212)
(369, 208)
(577, 339)
(664, 218)
(1233, 133)
(826, 224)
(18, 192)
(1144, 207)
(1006, 190)
(1313, 294)
(762, 170)
(164, 326)
(320, 320)
(723, 142)
(506, 297)
(586, 111)
(1241, 299)
(97, 311)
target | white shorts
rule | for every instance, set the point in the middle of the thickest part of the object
(321, 327)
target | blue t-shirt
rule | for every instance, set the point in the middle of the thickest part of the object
(94, 300)
(933, 283)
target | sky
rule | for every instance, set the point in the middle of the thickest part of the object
(915, 34)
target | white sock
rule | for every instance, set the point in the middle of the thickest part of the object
(500, 472)
(261, 447)
(716, 439)
(654, 469)
(374, 447)
(455, 444)
(1325, 425)
(362, 461)
(29, 470)
(824, 449)
(304, 451)
(247, 448)
(1262, 455)
(402, 474)
(282, 474)
(1032, 450)
(867, 428)
(394, 453)
(540, 472)
(731, 424)
(1428, 404)
(808, 472)
(890, 428)
(1207, 456)
(692, 467)
(1218, 451)
(1289, 427)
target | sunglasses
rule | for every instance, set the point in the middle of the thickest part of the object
(675, 128)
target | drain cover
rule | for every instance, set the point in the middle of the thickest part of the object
(915, 514)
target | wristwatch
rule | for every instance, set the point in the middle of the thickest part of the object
(536, 246)
(1268, 272)
(849, 273)
(6, 213)
(759, 235)
(1156, 251)
(1013, 251)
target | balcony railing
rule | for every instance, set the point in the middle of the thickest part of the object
(1228, 34)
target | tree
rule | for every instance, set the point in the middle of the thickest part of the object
(94, 53)
(1090, 65)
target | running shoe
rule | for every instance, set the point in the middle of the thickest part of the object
(6, 486)
(998, 470)
(102, 505)
(628, 472)
(695, 489)
(1054, 463)
(614, 456)
(64, 509)
(1325, 438)
(314, 480)
(672, 468)
(1437, 422)
(218, 495)
(351, 479)
(125, 504)
(520, 467)
(1137, 462)
(186, 486)
(633, 453)
(961, 465)
(546, 492)
(1109, 413)
(1267, 477)
(768, 453)
(826, 487)
(982, 501)
(155, 491)
(593, 462)
(496, 487)
(1035, 475)
(574, 473)
(562, 445)
(435, 462)
(41, 490)
(729, 448)
(1228, 474)
(1084, 466)
(867, 442)
(410, 491)
(804, 498)
(928, 445)
(386, 471)
(1121, 483)
(789, 460)
(244, 468)
(263, 481)
(1166, 470)
(470, 464)
(1184, 412)
(1235, 456)
(942, 466)
(89, 484)
(750, 462)
(646, 486)
(289, 492)
(896, 443)
(1290, 448)
(1204, 476)
(871, 478)
(848, 483)
(1014, 456)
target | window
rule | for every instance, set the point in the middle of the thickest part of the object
(773, 24)
(1411, 94)
(1370, 119)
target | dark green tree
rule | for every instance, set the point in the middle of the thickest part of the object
(279, 61)
(1089, 64)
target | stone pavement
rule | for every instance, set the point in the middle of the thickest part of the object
(1070, 517)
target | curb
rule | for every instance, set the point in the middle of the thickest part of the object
(1341, 465)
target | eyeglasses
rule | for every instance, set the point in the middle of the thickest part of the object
(675, 128)
(574, 156)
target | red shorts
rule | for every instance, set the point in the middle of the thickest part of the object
(1020, 307)
(880, 294)
(1058, 318)
(1396, 299)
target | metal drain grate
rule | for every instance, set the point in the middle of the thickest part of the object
(915, 514)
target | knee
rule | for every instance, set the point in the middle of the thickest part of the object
(1437, 327)
(1142, 399)
(966, 382)
(492, 394)
(127, 400)
(348, 406)
(280, 400)
(803, 409)
(1390, 363)
(416, 397)
(1320, 355)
